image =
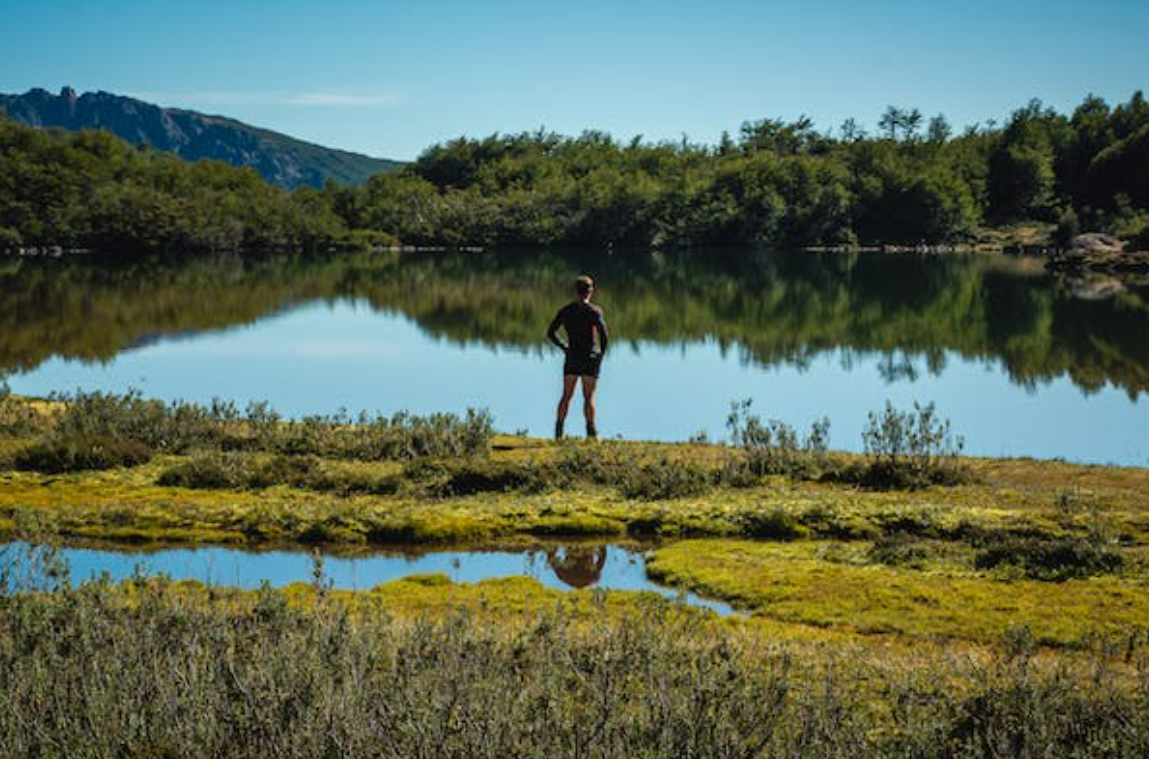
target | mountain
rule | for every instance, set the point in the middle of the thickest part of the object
(280, 159)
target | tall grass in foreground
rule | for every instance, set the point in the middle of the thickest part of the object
(150, 669)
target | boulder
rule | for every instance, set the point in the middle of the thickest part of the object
(1094, 243)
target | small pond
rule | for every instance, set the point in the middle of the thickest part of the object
(564, 567)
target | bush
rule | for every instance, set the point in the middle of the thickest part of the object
(17, 417)
(400, 437)
(910, 449)
(595, 464)
(179, 426)
(457, 478)
(209, 471)
(76, 453)
(772, 524)
(100, 670)
(900, 549)
(665, 479)
(1051, 559)
(773, 447)
(171, 428)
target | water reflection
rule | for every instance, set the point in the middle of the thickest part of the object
(1023, 363)
(578, 566)
(773, 307)
(563, 567)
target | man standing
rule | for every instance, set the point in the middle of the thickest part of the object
(581, 320)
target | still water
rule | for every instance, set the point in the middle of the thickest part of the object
(1022, 363)
(608, 567)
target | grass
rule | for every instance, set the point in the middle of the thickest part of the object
(506, 668)
(1059, 549)
(827, 585)
(1012, 499)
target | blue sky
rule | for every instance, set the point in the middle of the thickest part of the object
(390, 78)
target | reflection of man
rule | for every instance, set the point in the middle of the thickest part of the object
(581, 320)
(578, 567)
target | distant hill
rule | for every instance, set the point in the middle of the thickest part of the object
(280, 159)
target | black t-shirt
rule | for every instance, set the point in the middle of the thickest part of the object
(579, 319)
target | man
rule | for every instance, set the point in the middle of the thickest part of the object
(581, 320)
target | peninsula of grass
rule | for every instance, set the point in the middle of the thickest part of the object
(923, 543)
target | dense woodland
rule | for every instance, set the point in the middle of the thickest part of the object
(776, 183)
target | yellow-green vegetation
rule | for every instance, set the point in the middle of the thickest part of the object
(1058, 549)
(151, 668)
(842, 586)
(1016, 497)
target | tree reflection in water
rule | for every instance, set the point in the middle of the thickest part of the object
(774, 307)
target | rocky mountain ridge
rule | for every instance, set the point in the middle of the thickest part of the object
(279, 159)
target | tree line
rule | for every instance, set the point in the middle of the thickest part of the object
(776, 182)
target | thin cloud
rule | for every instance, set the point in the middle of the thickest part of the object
(301, 99)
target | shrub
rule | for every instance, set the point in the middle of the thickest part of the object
(235, 470)
(900, 549)
(447, 478)
(772, 524)
(297, 471)
(170, 428)
(209, 471)
(664, 479)
(80, 452)
(17, 417)
(773, 447)
(910, 449)
(100, 670)
(1050, 559)
(596, 464)
(178, 426)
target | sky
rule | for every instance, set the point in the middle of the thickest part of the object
(391, 78)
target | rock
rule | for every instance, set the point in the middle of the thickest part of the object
(1096, 243)
(1095, 287)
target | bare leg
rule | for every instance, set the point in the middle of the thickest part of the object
(569, 381)
(589, 385)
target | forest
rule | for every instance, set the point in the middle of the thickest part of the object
(776, 183)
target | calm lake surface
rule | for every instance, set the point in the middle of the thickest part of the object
(564, 567)
(1023, 363)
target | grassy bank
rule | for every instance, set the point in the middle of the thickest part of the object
(934, 546)
(154, 669)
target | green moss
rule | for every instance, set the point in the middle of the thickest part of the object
(1015, 499)
(797, 583)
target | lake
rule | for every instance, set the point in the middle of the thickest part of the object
(1022, 362)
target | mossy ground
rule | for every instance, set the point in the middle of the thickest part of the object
(797, 555)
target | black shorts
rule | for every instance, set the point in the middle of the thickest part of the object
(583, 365)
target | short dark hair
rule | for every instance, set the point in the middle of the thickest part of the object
(584, 284)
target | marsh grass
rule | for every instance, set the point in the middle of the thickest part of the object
(102, 430)
(152, 668)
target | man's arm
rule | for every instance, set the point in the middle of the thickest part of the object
(603, 336)
(553, 331)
